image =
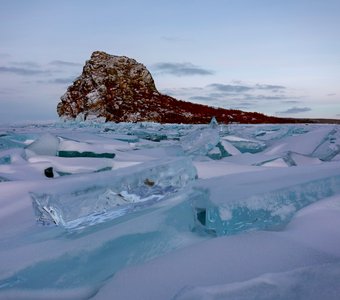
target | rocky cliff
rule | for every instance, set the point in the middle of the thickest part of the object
(120, 89)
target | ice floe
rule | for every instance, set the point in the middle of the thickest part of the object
(90, 210)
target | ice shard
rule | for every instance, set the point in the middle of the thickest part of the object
(215, 153)
(246, 145)
(3, 179)
(330, 146)
(229, 148)
(232, 204)
(76, 165)
(149, 134)
(95, 198)
(70, 148)
(4, 160)
(6, 142)
(200, 141)
(134, 240)
(47, 144)
(213, 123)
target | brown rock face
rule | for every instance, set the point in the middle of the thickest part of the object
(120, 89)
(111, 87)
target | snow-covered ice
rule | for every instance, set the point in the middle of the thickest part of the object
(148, 211)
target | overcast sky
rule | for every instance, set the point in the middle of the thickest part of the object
(278, 57)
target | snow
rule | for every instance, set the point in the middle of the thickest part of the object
(150, 211)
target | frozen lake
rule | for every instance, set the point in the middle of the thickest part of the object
(150, 211)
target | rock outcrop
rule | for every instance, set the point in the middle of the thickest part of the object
(120, 89)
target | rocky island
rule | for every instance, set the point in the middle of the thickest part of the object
(120, 89)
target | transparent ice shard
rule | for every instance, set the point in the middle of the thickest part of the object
(6, 142)
(246, 145)
(5, 159)
(200, 141)
(151, 135)
(213, 123)
(69, 153)
(69, 148)
(219, 151)
(134, 240)
(106, 196)
(215, 153)
(289, 159)
(46, 144)
(269, 210)
(129, 138)
(3, 179)
(229, 148)
(329, 148)
(69, 166)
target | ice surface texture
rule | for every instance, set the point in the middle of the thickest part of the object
(262, 219)
(112, 194)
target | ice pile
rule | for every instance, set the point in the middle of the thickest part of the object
(262, 217)
(207, 141)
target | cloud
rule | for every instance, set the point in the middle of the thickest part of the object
(230, 88)
(202, 98)
(25, 64)
(331, 95)
(239, 91)
(295, 110)
(246, 104)
(235, 93)
(223, 95)
(30, 68)
(59, 80)
(264, 97)
(180, 69)
(62, 63)
(291, 101)
(68, 80)
(269, 87)
(238, 88)
(23, 71)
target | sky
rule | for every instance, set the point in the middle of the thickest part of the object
(281, 58)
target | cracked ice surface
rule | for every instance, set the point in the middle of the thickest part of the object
(261, 219)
